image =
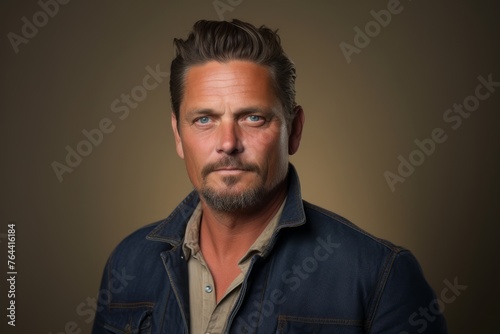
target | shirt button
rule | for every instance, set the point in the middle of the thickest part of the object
(208, 289)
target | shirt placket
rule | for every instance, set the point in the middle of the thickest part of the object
(209, 302)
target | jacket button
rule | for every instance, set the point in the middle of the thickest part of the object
(208, 289)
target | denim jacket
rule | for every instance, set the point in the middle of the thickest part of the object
(319, 274)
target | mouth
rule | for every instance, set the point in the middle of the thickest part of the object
(230, 170)
(228, 167)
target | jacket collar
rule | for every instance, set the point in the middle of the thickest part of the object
(171, 230)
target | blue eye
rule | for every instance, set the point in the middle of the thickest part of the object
(203, 120)
(254, 118)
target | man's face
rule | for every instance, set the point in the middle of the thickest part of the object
(232, 134)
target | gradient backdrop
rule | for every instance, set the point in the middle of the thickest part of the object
(360, 117)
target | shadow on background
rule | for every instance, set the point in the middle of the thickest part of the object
(88, 153)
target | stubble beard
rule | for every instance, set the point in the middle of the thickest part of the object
(229, 201)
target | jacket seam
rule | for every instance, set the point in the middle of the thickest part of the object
(264, 288)
(349, 224)
(325, 321)
(176, 294)
(380, 287)
(131, 305)
(164, 311)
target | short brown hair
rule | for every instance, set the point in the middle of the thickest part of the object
(223, 41)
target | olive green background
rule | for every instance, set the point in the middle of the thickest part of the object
(360, 117)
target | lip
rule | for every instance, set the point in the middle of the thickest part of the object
(229, 170)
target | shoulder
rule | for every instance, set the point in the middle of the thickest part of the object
(135, 262)
(137, 238)
(136, 250)
(324, 221)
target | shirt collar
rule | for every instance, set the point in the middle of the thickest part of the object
(191, 244)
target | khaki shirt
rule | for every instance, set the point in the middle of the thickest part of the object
(206, 315)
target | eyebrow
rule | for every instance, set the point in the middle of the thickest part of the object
(197, 112)
(239, 112)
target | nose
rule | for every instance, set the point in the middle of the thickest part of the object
(228, 141)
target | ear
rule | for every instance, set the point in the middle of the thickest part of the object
(296, 130)
(178, 140)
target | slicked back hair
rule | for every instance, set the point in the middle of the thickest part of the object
(224, 41)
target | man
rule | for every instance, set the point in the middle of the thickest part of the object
(243, 253)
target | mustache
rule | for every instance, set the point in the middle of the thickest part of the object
(228, 162)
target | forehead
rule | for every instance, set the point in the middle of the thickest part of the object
(234, 81)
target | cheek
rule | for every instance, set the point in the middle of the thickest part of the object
(193, 159)
(272, 150)
(191, 169)
(200, 150)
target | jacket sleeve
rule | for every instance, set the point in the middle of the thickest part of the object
(406, 304)
(104, 293)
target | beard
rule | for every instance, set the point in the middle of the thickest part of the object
(226, 200)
